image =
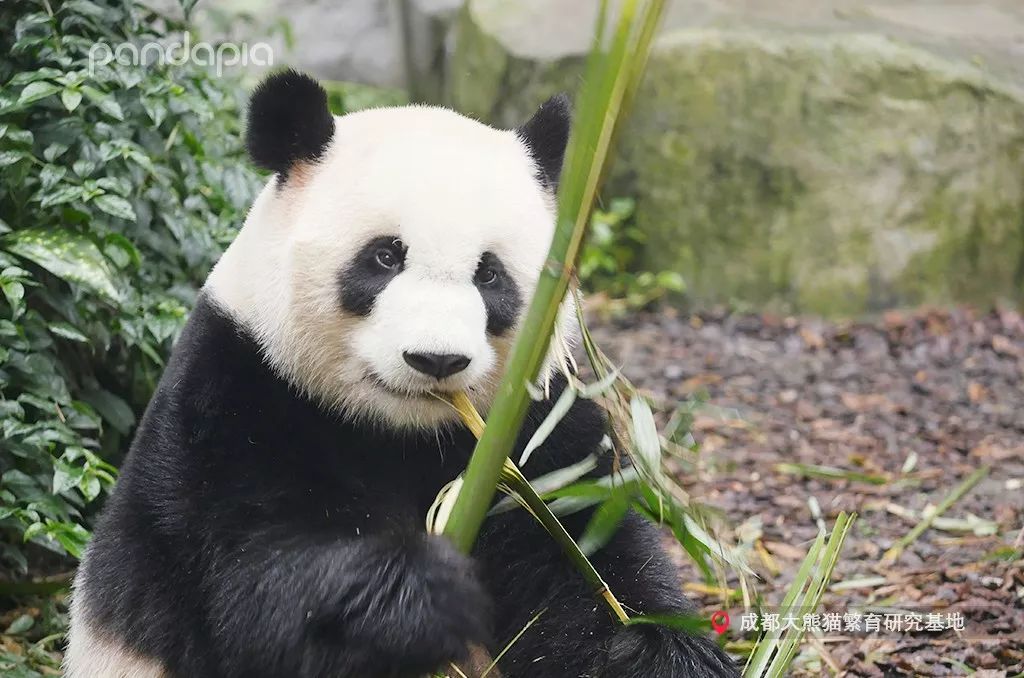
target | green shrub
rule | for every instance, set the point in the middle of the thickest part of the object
(608, 264)
(119, 188)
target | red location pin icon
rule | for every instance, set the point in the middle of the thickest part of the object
(720, 621)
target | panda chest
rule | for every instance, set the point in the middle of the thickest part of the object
(368, 489)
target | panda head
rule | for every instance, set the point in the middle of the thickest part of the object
(391, 256)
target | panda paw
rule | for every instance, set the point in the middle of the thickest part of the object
(423, 610)
(646, 650)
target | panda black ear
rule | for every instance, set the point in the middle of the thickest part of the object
(289, 121)
(546, 135)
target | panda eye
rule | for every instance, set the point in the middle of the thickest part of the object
(389, 258)
(486, 276)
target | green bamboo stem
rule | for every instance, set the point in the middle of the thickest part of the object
(506, 416)
(606, 82)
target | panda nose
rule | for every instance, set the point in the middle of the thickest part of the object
(437, 365)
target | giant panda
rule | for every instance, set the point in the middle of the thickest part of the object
(269, 517)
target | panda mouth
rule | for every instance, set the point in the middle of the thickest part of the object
(404, 394)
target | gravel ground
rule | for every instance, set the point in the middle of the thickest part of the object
(914, 401)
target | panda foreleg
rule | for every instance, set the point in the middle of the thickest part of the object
(640, 573)
(575, 635)
(394, 605)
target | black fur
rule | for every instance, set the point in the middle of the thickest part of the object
(251, 534)
(289, 122)
(546, 134)
(362, 281)
(501, 297)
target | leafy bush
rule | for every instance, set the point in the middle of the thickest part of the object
(608, 264)
(120, 186)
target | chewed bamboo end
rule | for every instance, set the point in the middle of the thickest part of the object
(470, 417)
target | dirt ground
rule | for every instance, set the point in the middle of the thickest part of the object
(913, 403)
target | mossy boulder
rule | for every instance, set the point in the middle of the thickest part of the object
(830, 172)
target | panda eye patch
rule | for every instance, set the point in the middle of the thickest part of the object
(366, 275)
(499, 292)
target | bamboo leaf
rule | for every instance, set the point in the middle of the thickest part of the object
(558, 411)
(603, 524)
(645, 435)
(775, 649)
(686, 624)
(552, 482)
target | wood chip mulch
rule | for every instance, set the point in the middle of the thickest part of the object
(907, 406)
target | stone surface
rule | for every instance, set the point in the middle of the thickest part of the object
(360, 41)
(835, 157)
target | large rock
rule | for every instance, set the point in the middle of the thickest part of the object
(813, 165)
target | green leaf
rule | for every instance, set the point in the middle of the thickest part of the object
(85, 7)
(31, 24)
(68, 255)
(64, 194)
(71, 98)
(15, 292)
(65, 476)
(115, 184)
(121, 251)
(115, 205)
(21, 137)
(645, 434)
(84, 167)
(54, 151)
(35, 91)
(68, 331)
(25, 77)
(82, 416)
(112, 408)
(20, 625)
(10, 157)
(155, 108)
(71, 536)
(89, 486)
(683, 623)
(558, 411)
(50, 175)
(104, 101)
(604, 523)
(187, 6)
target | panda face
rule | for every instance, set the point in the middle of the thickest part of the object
(395, 265)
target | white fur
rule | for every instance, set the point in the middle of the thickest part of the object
(451, 188)
(91, 654)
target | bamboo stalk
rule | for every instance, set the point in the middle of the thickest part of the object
(606, 82)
